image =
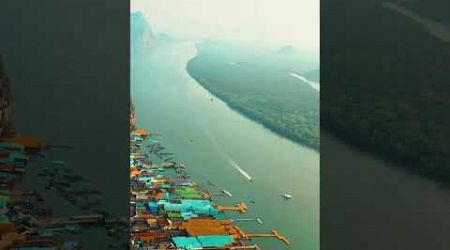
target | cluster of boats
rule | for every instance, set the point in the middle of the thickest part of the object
(73, 188)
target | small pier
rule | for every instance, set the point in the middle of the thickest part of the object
(80, 220)
(241, 207)
(274, 234)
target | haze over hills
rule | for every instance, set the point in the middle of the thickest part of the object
(140, 31)
(255, 22)
(142, 35)
(290, 59)
(258, 82)
(258, 85)
(313, 75)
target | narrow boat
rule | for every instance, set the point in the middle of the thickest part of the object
(259, 220)
(226, 192)
(287, 196)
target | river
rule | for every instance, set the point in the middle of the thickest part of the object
(368, 203)
(314, 85)
(221, 146)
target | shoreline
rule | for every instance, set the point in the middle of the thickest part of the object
(251, 117)
(162, 193)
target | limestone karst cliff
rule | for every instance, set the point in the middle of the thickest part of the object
(132, 117)
(5, 102)
(141, 34)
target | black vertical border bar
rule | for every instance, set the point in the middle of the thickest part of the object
(68, 64)
(394, 202)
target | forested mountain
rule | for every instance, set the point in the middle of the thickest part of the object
(248, 83)
(386, 85)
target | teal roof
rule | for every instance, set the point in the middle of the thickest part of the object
(186, 242)
(203, 241)
(215, 240)
(144, 178)
(192, 208)
(3, 219)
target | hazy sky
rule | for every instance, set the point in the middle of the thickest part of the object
(270, 22)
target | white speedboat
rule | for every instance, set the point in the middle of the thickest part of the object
(287, 196)
(259, 220)
(226, 192)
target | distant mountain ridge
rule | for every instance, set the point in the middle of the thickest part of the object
(288, 57)
(258, 84)
(141, 33)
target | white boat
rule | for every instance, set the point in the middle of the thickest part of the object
(287, 196)
(259, 220)
(226, 192)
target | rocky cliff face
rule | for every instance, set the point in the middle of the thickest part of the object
(140, 31)
(141, 35)
(132, 117)
(5, 103)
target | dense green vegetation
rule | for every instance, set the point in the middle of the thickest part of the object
(385, 86)
(269, 95)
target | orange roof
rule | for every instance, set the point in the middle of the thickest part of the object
(141, 132)
(5, 167)
(7, 228)
(154, 234)
(159, 195)
(134, 172)
(196, 227)
(26, 141)
(149, 236)
(160, 180)
(196, 231)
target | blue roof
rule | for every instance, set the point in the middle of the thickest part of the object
(192, 208)
(186, 242)
(144, 178)
(215, 240)
(203, 241)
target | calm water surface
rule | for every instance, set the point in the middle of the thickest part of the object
(367, 203)
(211, 139)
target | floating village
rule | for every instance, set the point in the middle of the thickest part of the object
(26, 219)
(169, 211)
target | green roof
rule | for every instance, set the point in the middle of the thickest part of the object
(173, 214)
(188, 193)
